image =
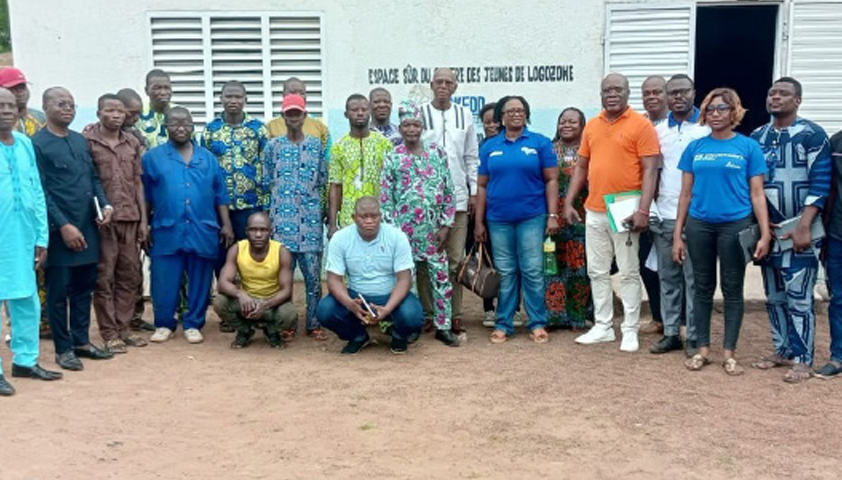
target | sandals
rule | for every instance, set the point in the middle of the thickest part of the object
(732, 368)
(133, 340)
(772, 361)
(498, 336)
(539, 335)
(288, 335)
(798, 373)
(696, 362)
(116, 346)
(317, 334)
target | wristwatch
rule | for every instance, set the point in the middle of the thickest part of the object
(553, 215)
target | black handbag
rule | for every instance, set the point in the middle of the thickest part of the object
(477, 273)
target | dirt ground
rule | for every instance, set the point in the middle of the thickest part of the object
(511, 411)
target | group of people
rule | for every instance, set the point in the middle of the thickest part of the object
(401, 204)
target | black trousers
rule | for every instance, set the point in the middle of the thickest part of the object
(73, 286)
(705, 242)
(650, 278)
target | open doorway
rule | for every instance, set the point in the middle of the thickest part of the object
(735, 47)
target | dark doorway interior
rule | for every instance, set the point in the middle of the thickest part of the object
(735, 47)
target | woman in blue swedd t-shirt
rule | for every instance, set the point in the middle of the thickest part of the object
(722, 189)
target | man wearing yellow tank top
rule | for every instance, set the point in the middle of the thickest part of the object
(264, 297)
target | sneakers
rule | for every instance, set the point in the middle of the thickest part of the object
(398, 346)
(490, 319)
(629, 343)
(830, 370)
(518, 320)
(161, 335)
(242, 340)
(597, 334)
(193, 335)
(354, 346)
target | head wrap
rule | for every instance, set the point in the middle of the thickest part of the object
(409, 110)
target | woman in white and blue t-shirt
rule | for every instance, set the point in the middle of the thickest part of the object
(517, 195)
(722, 188)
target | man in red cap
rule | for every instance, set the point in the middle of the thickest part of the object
(296, 171)
(30, 120)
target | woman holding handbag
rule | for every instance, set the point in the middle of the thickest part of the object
(518, 197)
(568, 295)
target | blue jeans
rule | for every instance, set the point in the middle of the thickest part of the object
(408, 318)
(518, 254)
(834, 280)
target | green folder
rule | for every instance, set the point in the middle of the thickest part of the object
(616, 197)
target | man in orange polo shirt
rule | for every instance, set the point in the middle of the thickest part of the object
(619, 153)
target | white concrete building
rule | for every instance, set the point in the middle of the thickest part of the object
(552, 52)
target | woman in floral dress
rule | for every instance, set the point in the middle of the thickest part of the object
(568, 294)
(416, 195)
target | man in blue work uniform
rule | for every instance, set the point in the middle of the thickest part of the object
(188, 201)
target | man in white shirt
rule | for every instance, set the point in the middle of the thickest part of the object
(451, 127)
(674, 134)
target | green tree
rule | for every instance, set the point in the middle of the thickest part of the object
(5, 34)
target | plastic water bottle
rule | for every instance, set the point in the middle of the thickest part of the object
(550, 265)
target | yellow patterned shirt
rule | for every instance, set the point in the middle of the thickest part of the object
(356, 164)
(34, 121)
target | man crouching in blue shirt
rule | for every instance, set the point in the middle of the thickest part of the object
(377, 260)
(188, 200)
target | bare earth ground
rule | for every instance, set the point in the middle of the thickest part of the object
(512, 411)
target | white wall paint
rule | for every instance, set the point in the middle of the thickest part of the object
(95, 46)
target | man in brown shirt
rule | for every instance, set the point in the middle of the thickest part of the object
(116, 155)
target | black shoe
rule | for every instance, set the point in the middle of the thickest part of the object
(690, 348)
(447, 337)
(92, 352)
(69, 361)
(35, 372)
(828, 371)
(242, 339)
(413, 337)
(225, 327)
(140, 325)
(398, 346)
(6, 388)
(667, 344)
(354, 346)
(274, 339)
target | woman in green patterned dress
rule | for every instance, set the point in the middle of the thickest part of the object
(568, 294)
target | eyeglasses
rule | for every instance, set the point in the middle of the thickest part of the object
(65, 104)
(176, 126)
(515, 111)
(721, 108)
(679, 92)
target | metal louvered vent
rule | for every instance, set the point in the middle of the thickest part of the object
(202, 51)
(815, 59)
(643, 40)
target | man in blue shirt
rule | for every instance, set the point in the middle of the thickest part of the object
(188, 200)
(797, 183)
(377, 260)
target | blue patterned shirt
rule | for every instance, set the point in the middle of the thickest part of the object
(390, 131)
(798, 172)
(297, 180)
(239, 149)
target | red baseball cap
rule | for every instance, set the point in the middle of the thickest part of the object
(293, 102)
(11, 77)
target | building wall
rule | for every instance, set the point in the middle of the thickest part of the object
(102, 45)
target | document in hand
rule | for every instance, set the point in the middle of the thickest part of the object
(620, 207)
